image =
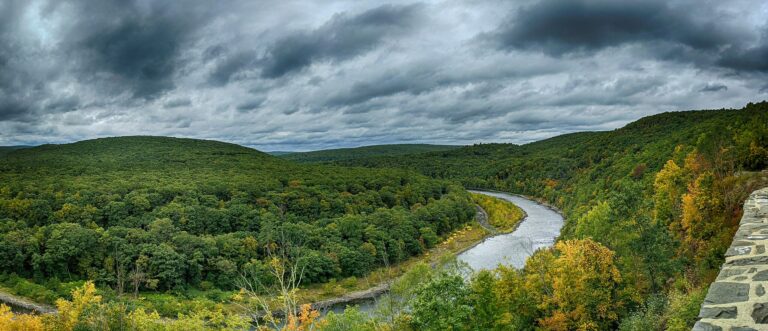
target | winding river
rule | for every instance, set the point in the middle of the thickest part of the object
(539, 229)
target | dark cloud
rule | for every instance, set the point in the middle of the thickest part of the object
(229, 66)
(714, 87)
(558, 27)
(689, 31)
(747, 59)
(341, 38)
(135, 43)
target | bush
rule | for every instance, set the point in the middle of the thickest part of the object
(684, 308)
(649, 317)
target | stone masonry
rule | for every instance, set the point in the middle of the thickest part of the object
(737, 300)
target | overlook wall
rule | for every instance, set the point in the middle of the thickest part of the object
(737, 300)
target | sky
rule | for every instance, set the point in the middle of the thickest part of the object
(305, 75)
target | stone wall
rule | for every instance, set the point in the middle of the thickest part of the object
(737, 300)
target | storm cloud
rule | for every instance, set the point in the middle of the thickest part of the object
(700, 32)
(300, 75)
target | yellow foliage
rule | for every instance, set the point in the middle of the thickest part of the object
(584, 287)
(669, 184)
(70, 311)
(21, 322)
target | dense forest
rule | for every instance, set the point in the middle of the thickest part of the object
(650, 209)
(157, 214)
(343, 154)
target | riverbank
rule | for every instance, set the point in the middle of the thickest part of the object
(377, 282)
(19, 304)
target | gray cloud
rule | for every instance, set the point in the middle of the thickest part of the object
(690, 31)
(341, 38)
(175, 103)
(558, 27)
(134, 43)
(251, 104)
(298, 75)
(714, 87)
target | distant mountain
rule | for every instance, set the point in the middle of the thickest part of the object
(344, 154)
(279, 153)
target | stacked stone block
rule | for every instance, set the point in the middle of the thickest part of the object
(737, 300)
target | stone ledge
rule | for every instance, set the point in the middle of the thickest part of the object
(737, 300)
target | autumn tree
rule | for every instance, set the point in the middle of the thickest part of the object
(585, 288)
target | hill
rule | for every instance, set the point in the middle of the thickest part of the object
(342, 154)
(188, 213)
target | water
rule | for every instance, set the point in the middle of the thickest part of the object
(538, 230)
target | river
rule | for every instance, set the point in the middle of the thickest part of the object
(539, 229)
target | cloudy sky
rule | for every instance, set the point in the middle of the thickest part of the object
(302, 75)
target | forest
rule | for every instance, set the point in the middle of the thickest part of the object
(650, 209)
(153, 214)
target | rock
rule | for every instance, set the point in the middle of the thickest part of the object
(761, 276)
(760, 290)
(760, 249)
(704, 326)
(760, 313)
(738, 250)
(729, 272)
(749, 261)
(717, 312)
(726, 292)
(742, 328)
